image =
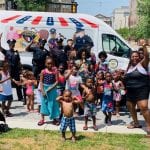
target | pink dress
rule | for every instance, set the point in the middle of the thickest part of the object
(29, 88)
(117, 91)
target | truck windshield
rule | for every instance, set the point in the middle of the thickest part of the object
(113, 45)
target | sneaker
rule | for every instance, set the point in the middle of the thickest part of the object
(8, 114)
(109, 123)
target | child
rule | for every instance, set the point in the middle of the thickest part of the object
(117, 93)
(89, 103)
(107, 101)
(73, 83)
(29, 82)
(99, 87)
(102, 64)
(23, 73)
(48, 82)
(67, 101)
(6, 89)
(61, 79)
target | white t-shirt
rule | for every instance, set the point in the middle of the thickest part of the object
(6, 86)
(73, 83)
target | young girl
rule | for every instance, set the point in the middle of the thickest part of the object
(29, 82)
(118, 89)
(89, 103)
(73, 83)
(102, 64)
(48, 82)
(107, 100)
(99, 87)
(61, 79)
(6, 89)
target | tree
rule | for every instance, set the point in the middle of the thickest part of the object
(124, 32)
(32, 5)
(143, 27)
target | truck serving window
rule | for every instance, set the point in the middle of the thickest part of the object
(113, 45)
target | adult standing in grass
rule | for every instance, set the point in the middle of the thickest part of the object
(137, 85)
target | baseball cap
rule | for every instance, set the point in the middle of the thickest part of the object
(52, 30)
(11, 41)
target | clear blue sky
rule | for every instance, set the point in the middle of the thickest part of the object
(104, 7)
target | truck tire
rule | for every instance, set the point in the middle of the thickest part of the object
(27, 67)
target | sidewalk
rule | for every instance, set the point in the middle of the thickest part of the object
(22, 119)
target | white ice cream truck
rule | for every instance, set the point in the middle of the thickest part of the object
(24, 26)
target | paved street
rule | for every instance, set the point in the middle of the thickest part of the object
(22, 119)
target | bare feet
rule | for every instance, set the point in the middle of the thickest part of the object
(63, 139)
(73, 139)
(117, 115)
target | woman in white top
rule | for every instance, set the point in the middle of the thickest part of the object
(6, 89)
(137, 86)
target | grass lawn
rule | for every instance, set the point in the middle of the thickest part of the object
(20, 139)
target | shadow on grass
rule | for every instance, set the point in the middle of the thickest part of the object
(80, 137)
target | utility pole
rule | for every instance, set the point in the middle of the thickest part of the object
(100, 5)
(6, 5)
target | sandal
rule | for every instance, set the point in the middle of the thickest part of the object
(41, 122)
(95, 128)
(8, 114)
(85, 128)
(132, 126)
(55, 122)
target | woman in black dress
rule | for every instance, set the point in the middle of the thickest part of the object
(137, 85)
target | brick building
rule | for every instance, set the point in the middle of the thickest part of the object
(68, 6)
(133, 18)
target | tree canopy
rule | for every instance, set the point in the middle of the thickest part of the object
(143, 27)
(32, 5)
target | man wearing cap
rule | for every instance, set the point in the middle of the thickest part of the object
(39, 56)
(13, 58)
(58, 53)
(82, 40)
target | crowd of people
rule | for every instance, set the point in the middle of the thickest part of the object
(69, 81)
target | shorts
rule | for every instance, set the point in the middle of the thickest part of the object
(65, 122)
(137, 94)
(5, 97)
(89, 109)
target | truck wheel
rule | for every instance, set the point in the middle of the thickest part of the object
(27, 67)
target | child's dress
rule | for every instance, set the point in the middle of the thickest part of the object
(6, 88)
(61, 85)
(30, 88)
(49, 105)
(103, 66)
(38, 95)
(99, 88)
(72, 84)
(117, 92)
(107, 102)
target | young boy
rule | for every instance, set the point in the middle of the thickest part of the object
(89, 103)
(67, 101)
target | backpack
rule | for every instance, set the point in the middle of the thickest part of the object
(3, 126)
